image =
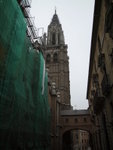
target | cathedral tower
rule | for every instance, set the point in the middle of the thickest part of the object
(57, 60)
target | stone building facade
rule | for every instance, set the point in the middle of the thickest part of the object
(100, 80)
(54, 102)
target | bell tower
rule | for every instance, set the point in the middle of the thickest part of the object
(55, 33)
(57, 60)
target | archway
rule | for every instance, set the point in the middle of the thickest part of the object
(76, 139)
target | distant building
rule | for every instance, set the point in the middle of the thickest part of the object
(80, 140)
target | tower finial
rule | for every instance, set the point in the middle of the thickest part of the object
(55, 9)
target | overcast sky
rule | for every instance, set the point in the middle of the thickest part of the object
(76, 17)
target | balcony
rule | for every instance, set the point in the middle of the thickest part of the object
(98, 101)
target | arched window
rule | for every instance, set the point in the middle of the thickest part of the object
(53, 39)
(58, 38)
(48, 58)
(55, 57)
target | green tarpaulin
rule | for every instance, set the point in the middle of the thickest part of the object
(24, 109)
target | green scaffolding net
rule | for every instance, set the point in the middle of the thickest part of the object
(24, 109)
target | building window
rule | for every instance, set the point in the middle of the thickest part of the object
(55, 57)
(76, 136)
(109, 20)
(48, 58)
(66, 120)
(53, 39)
(76, 120)
(101, 60)
(85, 120)
(111, 55)
(95, 78)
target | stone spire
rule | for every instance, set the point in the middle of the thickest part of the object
(55, 19)
(55, 32)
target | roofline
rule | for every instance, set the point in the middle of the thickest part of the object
(87, 114)
(80, 112)
(96, 18)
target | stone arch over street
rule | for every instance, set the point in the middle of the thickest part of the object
(75, 120)
(77, 128)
